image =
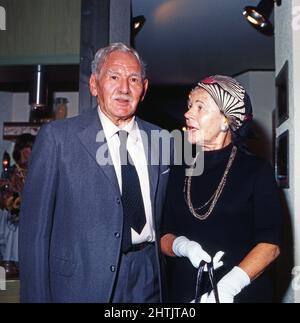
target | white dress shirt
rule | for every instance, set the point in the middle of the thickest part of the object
(137, 153)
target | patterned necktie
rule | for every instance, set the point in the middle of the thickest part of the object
(132, 199)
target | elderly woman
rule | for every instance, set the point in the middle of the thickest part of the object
(232, 206)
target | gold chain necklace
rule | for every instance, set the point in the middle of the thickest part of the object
(214, 198)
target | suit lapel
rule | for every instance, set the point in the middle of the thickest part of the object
(91, 128)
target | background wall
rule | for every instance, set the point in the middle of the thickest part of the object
(20, 107)
(41, 32)
(6, 101)
(260, 85)
(296, 94)
(287, 44)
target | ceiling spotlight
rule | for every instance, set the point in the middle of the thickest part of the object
(259, 17)
(137, 24)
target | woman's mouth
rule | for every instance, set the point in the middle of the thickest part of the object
(191, 128)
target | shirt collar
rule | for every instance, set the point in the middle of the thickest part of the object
(110, 129)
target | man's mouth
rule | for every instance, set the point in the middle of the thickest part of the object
(122, 99)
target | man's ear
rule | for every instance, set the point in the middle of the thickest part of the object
(146, 83)
(93, 85)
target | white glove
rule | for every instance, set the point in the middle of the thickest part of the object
(216, 260)
(229, 286)
(183, 247)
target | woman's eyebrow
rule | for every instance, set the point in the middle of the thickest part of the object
(199, 101)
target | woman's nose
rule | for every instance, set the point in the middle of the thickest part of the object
(187, 115)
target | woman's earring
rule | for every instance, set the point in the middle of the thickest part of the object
(224, 127)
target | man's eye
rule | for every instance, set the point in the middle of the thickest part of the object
(114, 77)
(134, 80)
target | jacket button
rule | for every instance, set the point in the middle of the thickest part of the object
(118, 201)
(112, 269)
(117, 235)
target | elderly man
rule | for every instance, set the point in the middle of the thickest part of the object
(88, 229)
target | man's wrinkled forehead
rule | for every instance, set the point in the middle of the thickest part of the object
(122, 62)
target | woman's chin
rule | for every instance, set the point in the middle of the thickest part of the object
(190, 139)
(194, 140)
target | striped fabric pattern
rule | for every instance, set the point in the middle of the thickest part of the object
(229, 96)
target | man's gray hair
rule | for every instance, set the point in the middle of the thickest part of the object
(104, 52)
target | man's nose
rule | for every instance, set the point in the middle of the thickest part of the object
(124, 86)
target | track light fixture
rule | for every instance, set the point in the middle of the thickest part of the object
(259, 17)
(137, 24)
